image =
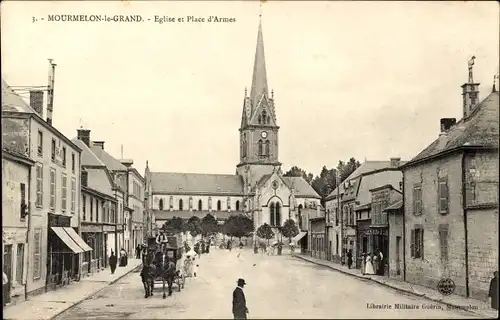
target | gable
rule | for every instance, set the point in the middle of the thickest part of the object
(263, 106)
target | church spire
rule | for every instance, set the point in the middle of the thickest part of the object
(259, 79)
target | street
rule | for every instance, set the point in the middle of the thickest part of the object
(277, 287)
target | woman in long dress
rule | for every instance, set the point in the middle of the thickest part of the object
(369, 265)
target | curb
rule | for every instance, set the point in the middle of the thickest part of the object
(95, 292)
(422, 295)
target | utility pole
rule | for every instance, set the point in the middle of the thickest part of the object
(50, 91)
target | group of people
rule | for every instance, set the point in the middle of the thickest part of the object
(113, 260)
(371, 263)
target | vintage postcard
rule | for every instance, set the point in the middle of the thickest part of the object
(250, 159)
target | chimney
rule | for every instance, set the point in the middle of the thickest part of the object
(99, 144)
(447, 123)
(84, 135)
(470, 92)
(36, 101)
(395, 162)
(127, 162)
(84, 178)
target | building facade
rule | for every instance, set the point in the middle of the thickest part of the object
(258, 189)
(395, 259)
(16, 178)
(451, 201)
(135, 224)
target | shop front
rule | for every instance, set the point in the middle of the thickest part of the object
(93, 236)
(363, 236)
(379, 242)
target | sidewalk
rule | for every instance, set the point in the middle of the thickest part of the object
(49, 305)
(478, 307)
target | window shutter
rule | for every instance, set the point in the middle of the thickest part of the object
(446, 195)
(412, 243)
(414, 202)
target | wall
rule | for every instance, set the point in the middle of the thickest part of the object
(395, 230)
(430, 270)
(196, 198)
(14, 228)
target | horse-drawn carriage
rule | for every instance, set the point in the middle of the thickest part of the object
(164, 256)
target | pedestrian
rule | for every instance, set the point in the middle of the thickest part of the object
(369, 265)
(123, 258)
(138, 251)
(493, 294)
(112, 262)
(209, 243)
(381, 263)
(5, 289)
(375, 262)
(363, 261)
(349, 258)
(240, 309)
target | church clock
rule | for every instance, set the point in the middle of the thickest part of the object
(263, 134)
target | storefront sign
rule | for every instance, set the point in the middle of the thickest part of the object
(376, 232)
(91, 228)
(56, 220)
(108, 228)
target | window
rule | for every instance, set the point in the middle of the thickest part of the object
(244, 145)
(443, 195)
(264, 117)
(73, 162)
(161, 204)
(96, 210)
(266, 151)
(417, 243)
(237, 205)
(84, 207)
(73, 195)
(209, 203)
(271, 211)
(40, 143)
(37, 252)
(64, 197)
(260, 148)
(200, 205)
(417, 199)
(228, 203)
(351, 215)
(52, 188)
(171, 202)
(91, 209)
(277, 219)
(337, 244)
(53, 150)
(219, 205)
(64, 157)
(443, 242)
(336, 216)
(39, 185)
(180, 204)
(20, 263)
(24, 205)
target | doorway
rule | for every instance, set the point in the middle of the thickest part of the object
(7, 269)
(398, 258)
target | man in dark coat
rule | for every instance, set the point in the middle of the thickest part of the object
(112, 262)
(349, 258)
(240, 309)
(138, 251)
(493, 294)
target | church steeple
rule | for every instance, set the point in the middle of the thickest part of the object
(259, 79)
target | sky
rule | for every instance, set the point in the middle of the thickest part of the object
(369, 80)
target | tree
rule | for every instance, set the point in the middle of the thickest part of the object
(194, 226)
(289, 229)
(238, 226)
(325, 183)
(346, 169)
(209, 225)
(174, 225)
(298, 172)
(265, 232)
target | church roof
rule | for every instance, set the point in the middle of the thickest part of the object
(196, 183)
(479, 129)
(186, 214)
(302, 188)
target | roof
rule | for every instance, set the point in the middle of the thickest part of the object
(186, 214)
(197, 183)
(480, 129)
(365, 168)
(301, 186)
(11, 101)
(16, 156)
(372, 181)
(88, 156)
(99, 180)
(396, 206)
(110, 162)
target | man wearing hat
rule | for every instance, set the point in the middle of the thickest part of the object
(240, 309)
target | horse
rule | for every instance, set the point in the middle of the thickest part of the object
(165, 269)
(148, 273)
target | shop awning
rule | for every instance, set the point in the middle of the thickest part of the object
(64, 236)
(81, 243)
(297, 238)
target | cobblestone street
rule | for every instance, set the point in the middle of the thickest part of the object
(278, 287)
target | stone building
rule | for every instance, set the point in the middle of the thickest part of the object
(258, 189)
(317, 245)
(395, 259)
(15, 210)
(451, 200)
(98, 210)
(55, 181)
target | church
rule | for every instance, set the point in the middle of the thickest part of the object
(257, 189)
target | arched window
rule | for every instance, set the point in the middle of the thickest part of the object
(171, 202)
(244, 145)
(161, 204)
(266, 151)
(200, 205)
(180, 204)
(237, 205)
(260, 120)
(219, 205)
(209, 203)
(277, 218)
(228, 203)
(264, 117)
(260, 148)
(271, 211)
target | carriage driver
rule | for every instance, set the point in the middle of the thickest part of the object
(162, 240)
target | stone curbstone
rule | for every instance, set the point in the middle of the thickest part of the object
(422, 295)
(96, 292)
